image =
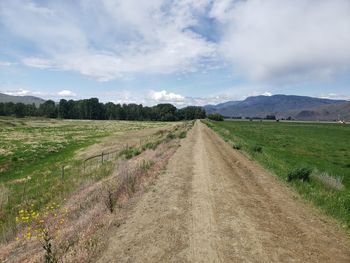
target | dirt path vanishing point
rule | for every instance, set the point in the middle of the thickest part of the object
(214, 205)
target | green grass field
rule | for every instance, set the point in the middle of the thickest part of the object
(282, 147)
(32, 152)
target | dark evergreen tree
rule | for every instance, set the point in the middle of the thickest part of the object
(63, 110)
(19, 110)
(48, 109)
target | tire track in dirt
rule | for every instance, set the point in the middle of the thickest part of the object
(214, 205)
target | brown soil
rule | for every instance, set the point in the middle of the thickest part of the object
(214, 205)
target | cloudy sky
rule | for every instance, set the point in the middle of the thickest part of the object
(183, 51)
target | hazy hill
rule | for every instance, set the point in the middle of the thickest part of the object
(215, 108)
(339, 111)
(279, 105)
(23, 99)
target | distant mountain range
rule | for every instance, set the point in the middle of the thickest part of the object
(24, 99)
(284, 106)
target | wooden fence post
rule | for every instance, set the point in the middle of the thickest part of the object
(102, 157)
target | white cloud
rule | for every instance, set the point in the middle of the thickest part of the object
(163, 96)
(335, 96)
(38, 62)
(107, 39)
(66, 93)
(46, 95)
(5, 63)
(22, 92)
(283, 40)
(18, 92)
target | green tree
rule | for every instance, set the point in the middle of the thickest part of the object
(215, 117)
(20, 110)
(48, 109)
(63, 109)
(31, 110)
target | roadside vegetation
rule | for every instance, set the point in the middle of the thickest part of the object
(71, 223)
(313, 157)
(38, 164)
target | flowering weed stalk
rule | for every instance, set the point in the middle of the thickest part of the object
(44, 226)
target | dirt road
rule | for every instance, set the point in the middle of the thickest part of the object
(214, 205)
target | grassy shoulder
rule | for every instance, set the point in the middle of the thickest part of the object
(284, 148)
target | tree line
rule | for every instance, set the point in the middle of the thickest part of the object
(92, 109)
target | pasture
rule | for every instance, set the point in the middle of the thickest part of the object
(33, 151)
(284, 147)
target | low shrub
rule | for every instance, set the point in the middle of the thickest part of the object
(302, 174)
(110, 199)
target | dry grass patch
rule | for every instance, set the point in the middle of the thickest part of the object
(329, 181)
(4, 197)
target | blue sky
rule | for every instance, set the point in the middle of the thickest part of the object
(183, 52)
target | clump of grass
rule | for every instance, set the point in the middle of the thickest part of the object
(329, 181)
(257, 149)
(130, 152)
(302, 174)
(182, 134)
(146, 165)
(170, 136)
(236, 146)
(151, 145)
(130, 182)
(126, 184)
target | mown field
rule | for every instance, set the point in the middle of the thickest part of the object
(283, 147)
(32, 152)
